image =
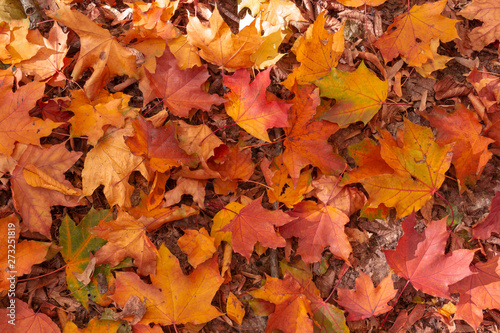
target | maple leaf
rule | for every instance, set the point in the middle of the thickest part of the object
(15, 123)
(437, 62)
(318, 226)
(223, 218)
(46, 65)
(249, 106)
(193, 187)
(358, 95)
(77, 244)
(126, 237)
(369, 162)
(25, 319)
(268, 52)
(110, 163)
(292, 306)
(219, 46)
(232, 162)
(487, 87)
(185, 53)
(327, 318)
(278, 13)
(198, 245)
(27, 253)
(488, 12)
(479, 291)
(491, 223)
(158, 216)
(33, 201)
(470, 152)
(99, 50)
(419, 166)
(306, 140)
(346, 198)
(173, 298)
(420, 258)
(180, 90)
(197, 140)
(19, 41)
(411, 33)
(282, 187)
(253, 224)
(235, 309)
(318, 52)
(95, 325)
(159, 146)
(367, 301)
(91, 116)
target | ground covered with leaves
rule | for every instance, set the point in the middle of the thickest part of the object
(257, 166)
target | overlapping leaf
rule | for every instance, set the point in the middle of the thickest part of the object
(180, 90)
(253, 224)
(100, 51)
(249, 106)
(173, 298)
(367, 301)
(420, 258)
(358, 95)
(419, 165)
(411, 33)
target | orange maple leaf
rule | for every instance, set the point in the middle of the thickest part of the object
(470, 152)
(181, 89)
(47, 64)
(306, 139)
(219, 46)
(232, 162)
(420, 258)
(110, 163)
(158, 145)
(326, 316)
(173, 298)
(249, 106)
(419, 166)
(292, 306)
(253, 224)
(27, 252)
(92, 116)
(487, 11)
(198, 245)
(367, 301)
(369, 162)
(15, 123)
(282, 187)
(318, 226)
(318, 52)
(33, 201)
(99, 50)
(126, 237)
(411, 33)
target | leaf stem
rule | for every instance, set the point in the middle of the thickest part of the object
(40, 276)
(397, 299)
(448, 227)
(216, 131)
(344, 269)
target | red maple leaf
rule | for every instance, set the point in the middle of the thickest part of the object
(420, 258)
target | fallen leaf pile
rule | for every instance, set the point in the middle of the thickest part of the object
(251, 165)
